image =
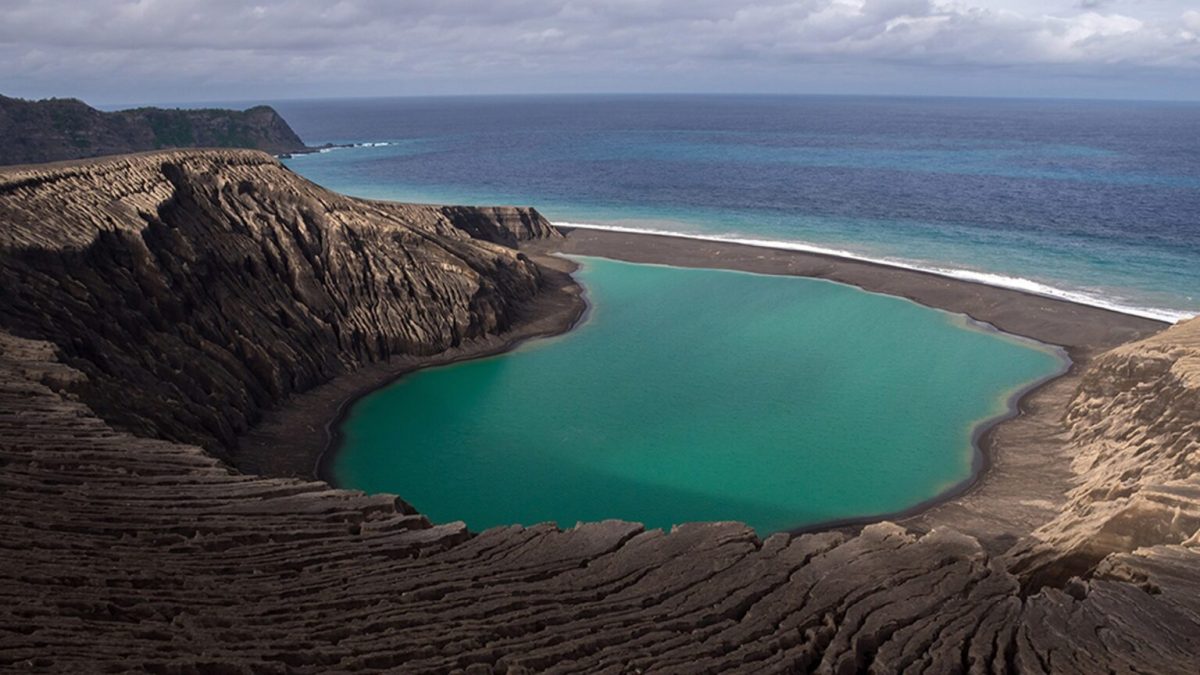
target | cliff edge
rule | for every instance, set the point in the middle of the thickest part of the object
(60, 129)
(195, 289)
(153, 303)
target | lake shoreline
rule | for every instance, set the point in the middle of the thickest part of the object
(1074, 326)
(981, 462)
(558, 310)
(273, 447)
(1024, 469)
(1082, 331)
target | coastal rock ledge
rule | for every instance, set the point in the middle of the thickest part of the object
(152, 307)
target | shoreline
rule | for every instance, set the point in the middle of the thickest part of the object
(1050, 320)
(981, 461)
(275, 448)
(1024, 471)
(1080, 331)
(547, 320)
(995, 280)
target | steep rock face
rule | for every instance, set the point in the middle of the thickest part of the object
(505, 225)
(59, 129)
(196, 288)
(1135, 433)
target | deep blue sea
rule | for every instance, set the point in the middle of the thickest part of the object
(1095, 201)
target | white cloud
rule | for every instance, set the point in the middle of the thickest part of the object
(1191, 19)
(293, 42)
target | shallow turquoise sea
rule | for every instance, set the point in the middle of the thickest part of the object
(692, 394)
(1094, 201)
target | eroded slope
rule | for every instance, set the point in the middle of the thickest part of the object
(1135, 437)
(139, 554)
(197, 288)
(131, 553)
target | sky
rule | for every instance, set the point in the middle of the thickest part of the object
(153, 51)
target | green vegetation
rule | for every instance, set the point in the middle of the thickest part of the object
(171, 130)
(234, 135)
(58, 129)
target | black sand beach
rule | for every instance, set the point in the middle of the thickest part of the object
(1023, 475)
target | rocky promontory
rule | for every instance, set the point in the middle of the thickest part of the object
(58, 129)
(195, 289)
(152, 307)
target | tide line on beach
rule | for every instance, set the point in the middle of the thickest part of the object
(974, 276)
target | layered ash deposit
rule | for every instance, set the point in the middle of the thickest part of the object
(153, 306)
(1134, 428)
(195, 289)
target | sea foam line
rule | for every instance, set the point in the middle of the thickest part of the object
(347, 146)
(985, 278)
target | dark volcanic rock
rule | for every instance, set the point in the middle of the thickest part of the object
(217, 281)
(196, 289)
(505, 225)
(58, 129)
(137, 554)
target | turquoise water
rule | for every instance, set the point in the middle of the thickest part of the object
(697, 395)
(1092, 201)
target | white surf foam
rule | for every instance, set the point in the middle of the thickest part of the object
(986, 278)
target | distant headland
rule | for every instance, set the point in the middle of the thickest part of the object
(58, 129)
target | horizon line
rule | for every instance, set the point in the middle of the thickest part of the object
(601, 94)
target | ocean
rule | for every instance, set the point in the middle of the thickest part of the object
(697, 395)
(1093, 201)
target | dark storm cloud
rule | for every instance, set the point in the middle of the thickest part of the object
(189, 48)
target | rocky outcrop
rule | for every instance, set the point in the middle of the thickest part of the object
(1135, 436)
(195, 289)
(504, 225)
(125, 552)
(58, 129)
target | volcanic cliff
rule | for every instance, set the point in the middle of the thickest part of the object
(65, 128)
(152, 307)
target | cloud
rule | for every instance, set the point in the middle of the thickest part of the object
(219, 45)
(1191, 20)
